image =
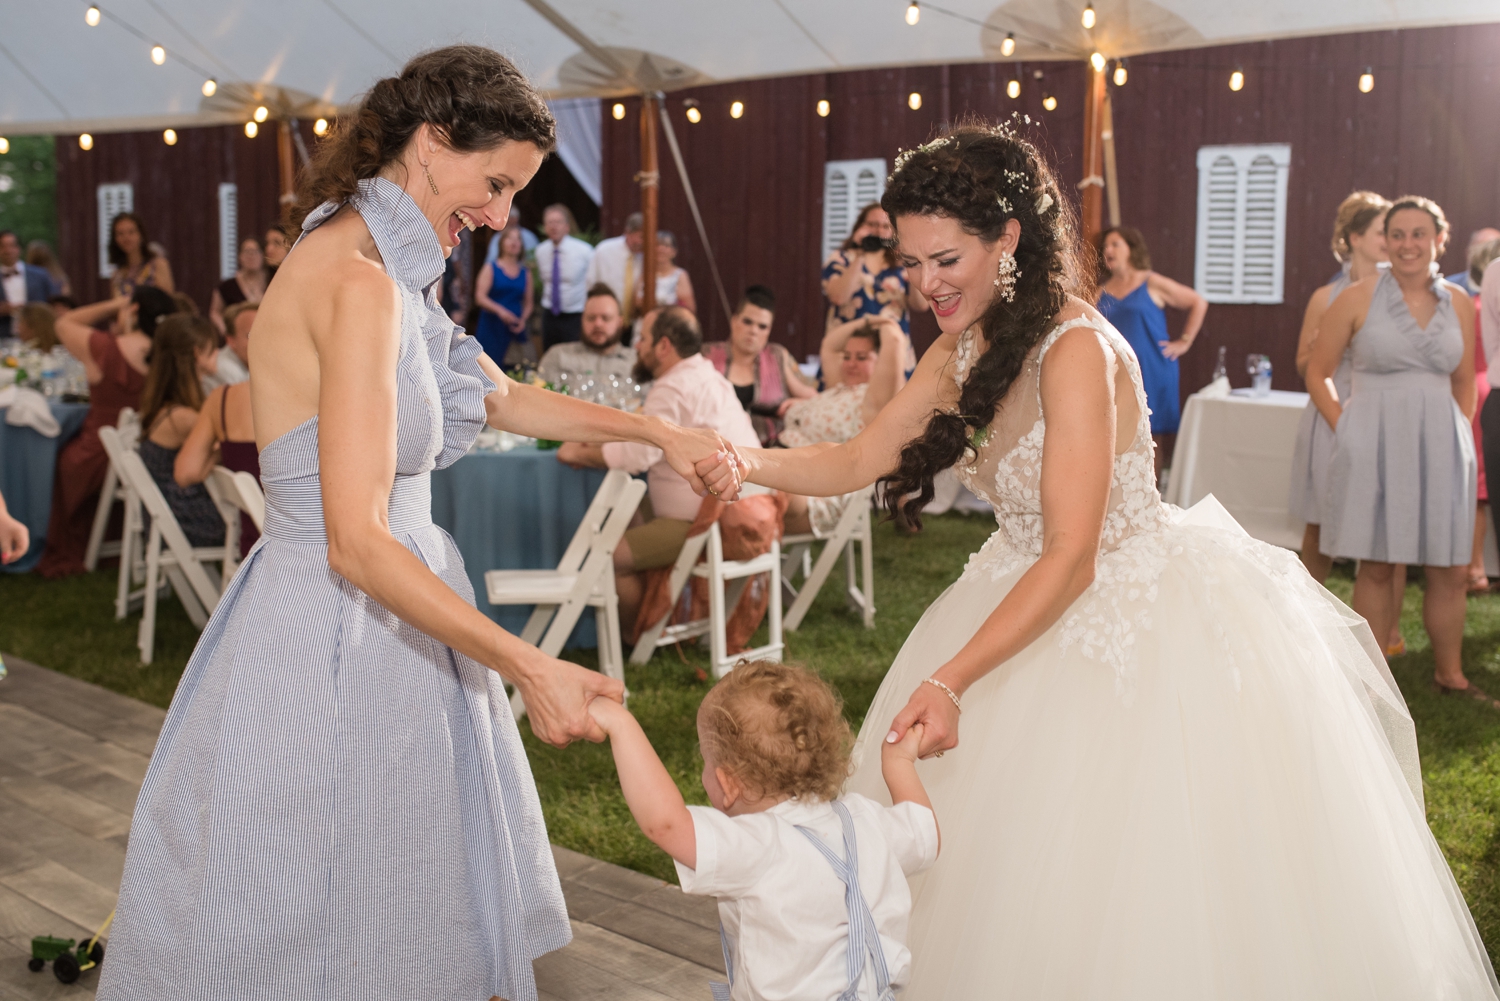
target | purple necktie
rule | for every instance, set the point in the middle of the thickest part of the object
(556, 278)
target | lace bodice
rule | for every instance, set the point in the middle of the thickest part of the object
(1006, 467)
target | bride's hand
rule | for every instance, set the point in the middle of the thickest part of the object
(557, 696)
(938, 716)
(726, 470)
(690, 451)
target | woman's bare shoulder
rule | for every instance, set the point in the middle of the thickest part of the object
(1077, 308)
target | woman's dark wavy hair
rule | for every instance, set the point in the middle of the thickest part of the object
(472, 96)
(982, 177)
(117, 255)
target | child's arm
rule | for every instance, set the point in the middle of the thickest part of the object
(898, 765)
(654, 799)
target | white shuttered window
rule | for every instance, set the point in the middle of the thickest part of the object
(848, 186)
(229, 231)
(113, 199)
(1241, 254)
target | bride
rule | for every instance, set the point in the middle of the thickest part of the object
(1186, 772)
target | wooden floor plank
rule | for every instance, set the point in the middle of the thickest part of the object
(17, 983)
(64, 892)
(601, 966)
(75, 743)
(22, 829)
(98, 785)
(22, 918)
(86, 816)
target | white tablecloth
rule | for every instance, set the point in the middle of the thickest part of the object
(1239, 448)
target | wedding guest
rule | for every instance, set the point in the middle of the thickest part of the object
(503, 292)
(528, 238)
(115, 365)
(1487, 327)
(1479, 260)
(1134, 298)
(279, 240)
(39, 255)
(673, 286)
(1401, 485)
(22, 283)
(1463, 279)
(863, 278)
(15, 537)
(617, 263)
(686, 392)
(181, 350)
(137, 261)
(231, 364)
(1359, 247)
(562, 260)
(599, 353)
(36, 324)
(247, 285)
(764, 375)
(775, 748)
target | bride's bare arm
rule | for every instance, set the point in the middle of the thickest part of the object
(1078, 395)
(357, 353)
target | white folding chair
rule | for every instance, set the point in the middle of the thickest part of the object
(852, 529)
(230, 513)
(132, 545)
(168, 553)
(129, 429)
(727, 580)
(243, 491)
(584, 578)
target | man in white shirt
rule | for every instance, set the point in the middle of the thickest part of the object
(688, 391)
(21, 284)
(563, 262)
(233, 364)
(617, 263)
(599, 353)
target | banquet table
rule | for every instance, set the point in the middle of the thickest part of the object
(1239, 448)
(514, 510)
(28, 459)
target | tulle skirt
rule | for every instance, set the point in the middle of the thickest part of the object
(1201, 783)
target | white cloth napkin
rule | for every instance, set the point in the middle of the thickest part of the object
(29, 410)
(1216, 389)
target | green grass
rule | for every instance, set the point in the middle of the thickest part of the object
(69, 626)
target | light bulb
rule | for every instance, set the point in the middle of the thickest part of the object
(1088, 18)
(1008, 47)
(85, 141)
(4, 145)
(736, 109)
(914, 101)
(1097, 61)
(913, 13)
(1049, 102)
(210, 87)
(694, 115)
(1013, 89)
(251, 129)
(1237, 80)
(823, 108)
(618, 111)
(1120, 74)
(169, 137)
(158, 54)
(1367, 81)
(262, 113)
(320, 127)
(91, 17)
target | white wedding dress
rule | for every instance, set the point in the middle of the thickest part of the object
(1199, 784)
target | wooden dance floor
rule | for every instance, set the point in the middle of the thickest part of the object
(72, 757)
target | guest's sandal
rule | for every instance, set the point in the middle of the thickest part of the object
(1473, 691)
(1397, 648)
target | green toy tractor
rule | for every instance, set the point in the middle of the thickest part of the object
(68, 963)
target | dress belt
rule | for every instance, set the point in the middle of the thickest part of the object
(294, 509)
(1371, 382)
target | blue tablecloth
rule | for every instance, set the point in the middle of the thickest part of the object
(514, 510)
(27, 462)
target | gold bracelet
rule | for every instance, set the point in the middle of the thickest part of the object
(946, 691)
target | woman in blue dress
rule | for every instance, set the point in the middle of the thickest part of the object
(1133, 298)
(504, 296)
(339, 805)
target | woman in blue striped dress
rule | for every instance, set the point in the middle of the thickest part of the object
(339, 805)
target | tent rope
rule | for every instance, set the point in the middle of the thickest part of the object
(687, 186)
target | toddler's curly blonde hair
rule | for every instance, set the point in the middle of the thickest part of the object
(780, 729)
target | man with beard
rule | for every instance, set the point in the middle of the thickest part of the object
(686, 390)
(599, 354)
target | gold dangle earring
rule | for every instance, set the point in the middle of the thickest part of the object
(430, 182)
(1005, 277)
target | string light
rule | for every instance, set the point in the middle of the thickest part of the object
(91, 17)
(85, 141)
(1049, 102)
(694, 115)
(1013, 89)
(823, 108)
(4, 145)
(210, 87)
(1367, 80)
(1088, 18)
(320, 127)
(261, 113)
(169, 137)
(1097, 61)
(1237, 79)
(158, 54)
(618, 111)
(1008, 47)
(914, 101)
(1121, 74)
(913, 13)
(736, 109)
(251, 129)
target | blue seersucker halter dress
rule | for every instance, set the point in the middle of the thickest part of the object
(339, 806)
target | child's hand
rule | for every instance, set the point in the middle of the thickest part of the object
(907, 748)
(607, 713)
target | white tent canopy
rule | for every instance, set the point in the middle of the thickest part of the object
(308, 57)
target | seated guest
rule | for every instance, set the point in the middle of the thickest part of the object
(114, 363)
(182, 348)
(503, 293)
(279, 240)
(231, 363)
(39, 255)
(673, 286)
(617, 263)
(764, 375)
(862, 366)
(248, 284)
(36, 324)
(600, 352)
(224, 434)
(685, 391)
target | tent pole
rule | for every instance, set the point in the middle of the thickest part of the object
(650, 178)
(692, 200)
(288, 169)
(1092, 184)
(1111, 177)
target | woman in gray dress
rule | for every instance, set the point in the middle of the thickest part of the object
(339, 805)
(1402, 481)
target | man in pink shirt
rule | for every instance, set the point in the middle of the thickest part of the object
(688, 391)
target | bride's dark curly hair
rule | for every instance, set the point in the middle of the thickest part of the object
(982, 177)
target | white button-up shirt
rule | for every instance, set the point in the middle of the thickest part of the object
(15, 285)
(615, 266)
(573, 267)
(692, 394)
